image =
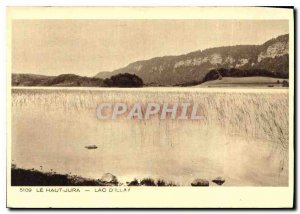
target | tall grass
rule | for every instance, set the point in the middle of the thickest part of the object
(258, 115)
(249, 116)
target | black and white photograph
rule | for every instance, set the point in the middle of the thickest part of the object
(147, 102)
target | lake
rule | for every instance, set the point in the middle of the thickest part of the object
(243, 136)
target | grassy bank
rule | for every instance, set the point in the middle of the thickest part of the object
(25, 177)
(248, 82)
(32, 177)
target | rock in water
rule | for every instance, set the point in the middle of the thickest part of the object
(200, 182)
(109, 179)
(91, 147)
(219, 180)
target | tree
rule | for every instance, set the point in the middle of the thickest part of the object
(125, 80)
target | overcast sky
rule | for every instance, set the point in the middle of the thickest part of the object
(86, 47)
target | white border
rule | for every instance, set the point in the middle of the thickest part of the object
(99, 3)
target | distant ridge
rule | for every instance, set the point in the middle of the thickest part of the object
(67, 80)
(273, 56)
(269, 59)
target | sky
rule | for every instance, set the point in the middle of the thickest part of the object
(86, 47)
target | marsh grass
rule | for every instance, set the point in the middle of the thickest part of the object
(252, 117)
(257, 115)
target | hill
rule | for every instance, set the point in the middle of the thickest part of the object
(272, 56)
(270, 59)
(67, 80)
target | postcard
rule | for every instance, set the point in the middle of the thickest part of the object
(150, 107)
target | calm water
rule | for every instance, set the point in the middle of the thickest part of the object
(243, 138)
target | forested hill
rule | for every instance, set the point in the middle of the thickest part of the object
(270, 57)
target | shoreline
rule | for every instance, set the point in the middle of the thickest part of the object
(33, 177)
(159, 89)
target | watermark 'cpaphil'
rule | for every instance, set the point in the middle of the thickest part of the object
(182, 111)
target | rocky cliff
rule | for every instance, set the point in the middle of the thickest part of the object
(272, 56)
